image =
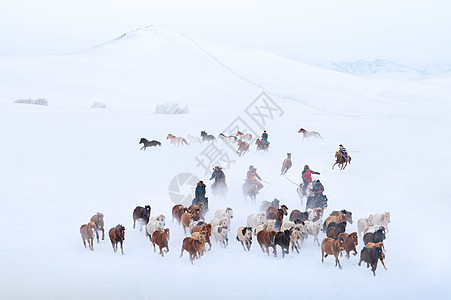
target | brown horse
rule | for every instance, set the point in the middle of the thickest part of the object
(87, 234)
(176, 140)
(117, 235)
(98, 220)
(287, 163)
(243, 147)
(309, 134)
(261, 145)
(161, 238)
(342, 163)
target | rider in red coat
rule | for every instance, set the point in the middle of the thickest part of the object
(252, 176)
(307, 176)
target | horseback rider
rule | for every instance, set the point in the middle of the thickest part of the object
(307, 177)
(252, 177)
(200, 195)
(318, 188)
(343, 152)
(219, 177)
(265, 139)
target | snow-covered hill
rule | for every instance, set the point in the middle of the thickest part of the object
(381, 67)
(62, 163)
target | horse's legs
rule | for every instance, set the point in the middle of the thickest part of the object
(103, 234)
(84, 242)
(122, 247)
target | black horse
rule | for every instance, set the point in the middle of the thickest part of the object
(207, 137)
(147, 143)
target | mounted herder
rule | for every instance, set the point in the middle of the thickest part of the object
(318, 199)
(219, 186)
(307, 179)
(252, 184)
(200, 195)
(342, 158)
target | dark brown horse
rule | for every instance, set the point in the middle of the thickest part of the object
(117, 235)
(342, 163)
(147, 143)
(142, 214)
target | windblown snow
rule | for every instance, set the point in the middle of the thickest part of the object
(62, 163)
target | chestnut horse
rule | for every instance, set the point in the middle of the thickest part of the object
(117, 235)
(287, 163)
(309, 134)
(176, 140)
(242, 147)
(342, 163)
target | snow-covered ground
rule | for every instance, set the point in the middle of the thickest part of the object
(63, 163)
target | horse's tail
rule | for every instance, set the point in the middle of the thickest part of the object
(320, 136)
(184, 141)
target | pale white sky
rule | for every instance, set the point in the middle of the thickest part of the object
(404, 31)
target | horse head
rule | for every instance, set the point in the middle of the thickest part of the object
(142, 140)
(301, 130)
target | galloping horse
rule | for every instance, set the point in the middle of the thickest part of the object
(176, 140)
(147, 143)
(244, 136)
(261, 145)
(230, 139)
(207, 137)
(242, 147)
(287, 163)
(250, 189)
(342, 163)
(309, 134)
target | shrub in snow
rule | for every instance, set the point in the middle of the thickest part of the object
(171, 108)
(98, 105)
(38, 101)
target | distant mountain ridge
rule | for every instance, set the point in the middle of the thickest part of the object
(375, 66)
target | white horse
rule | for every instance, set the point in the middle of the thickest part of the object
(194, 139)
(309, 134)
(244, 136)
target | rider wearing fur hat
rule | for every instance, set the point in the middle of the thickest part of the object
(218, 175)
(252, 176)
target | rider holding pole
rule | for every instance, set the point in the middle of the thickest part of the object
(307, 177)
(252, 177)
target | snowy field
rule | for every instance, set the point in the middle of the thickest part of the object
(62, 163)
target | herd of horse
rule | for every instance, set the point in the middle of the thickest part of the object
(268, 226)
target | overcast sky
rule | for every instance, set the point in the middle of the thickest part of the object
(415, 32)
